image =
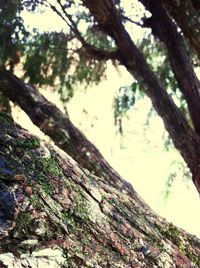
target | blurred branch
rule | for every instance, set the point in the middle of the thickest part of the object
(92, 51)
(132, 21)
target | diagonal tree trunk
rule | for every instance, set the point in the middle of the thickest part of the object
(53, 213)
(185, 139)
(4, 104)
(164, 28)
(60, 129)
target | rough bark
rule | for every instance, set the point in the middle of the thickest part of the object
(60, 129)
(186, 14)
(54, 213)
(184, 137)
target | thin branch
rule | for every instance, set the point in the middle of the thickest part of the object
(92, 51)
(132, 21)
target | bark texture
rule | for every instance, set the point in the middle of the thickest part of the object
(54, 213)
(60, 129)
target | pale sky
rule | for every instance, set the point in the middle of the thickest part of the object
(145, 165)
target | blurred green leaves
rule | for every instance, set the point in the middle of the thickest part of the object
(123, 101)
(12, 32)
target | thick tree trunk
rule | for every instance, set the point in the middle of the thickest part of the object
(54, 213)
(60, 129)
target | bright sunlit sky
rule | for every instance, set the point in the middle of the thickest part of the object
(139, 156)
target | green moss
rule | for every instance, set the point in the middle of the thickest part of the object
(47, 187)
(47, 168)
(82, 207)
(155, 242)
(85, 240)
(48, 232)
(173, 233)
(34, 201)
(70, 221)
(182, 247)
(193, 257)
(23, 223)
(66, 183)
(50, 166)
(82, 211)
(111, 251)
(103, 197)
(121, 208)
(32, 143)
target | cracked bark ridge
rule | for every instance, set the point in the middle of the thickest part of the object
(73, 219)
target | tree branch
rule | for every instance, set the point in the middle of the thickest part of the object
(165, 29)
(92, 51)
(183, 136)
(186, 14)
(132, 21)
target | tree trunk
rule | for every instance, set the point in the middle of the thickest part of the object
(164, 28)
(54, 213)
(184, 137)
(60, 129)
(4, 104)
(186, 14)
